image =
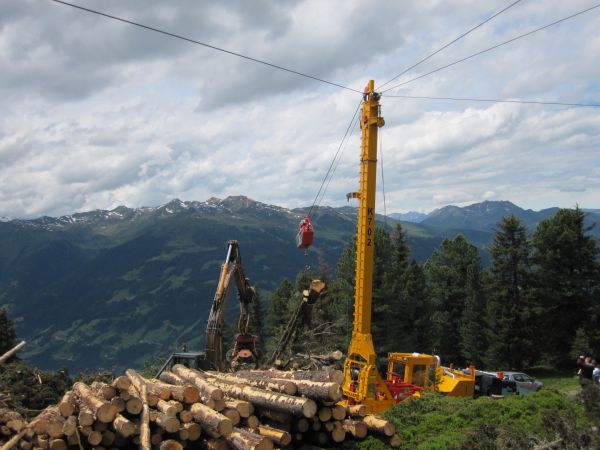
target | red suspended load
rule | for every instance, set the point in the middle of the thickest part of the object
(305, 236)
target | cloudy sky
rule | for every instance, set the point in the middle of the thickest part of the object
(96, 113)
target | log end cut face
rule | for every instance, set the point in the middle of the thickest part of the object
(309, 408)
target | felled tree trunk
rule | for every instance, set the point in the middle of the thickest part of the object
(66, 406)
(356, 428)
(357, 410)
(181, 390)
(124, 426)
(338, 412)
(167, 408)
(12, 442)
(104, 411)
(121, 383)
(245, 440)
(103, 390)
(158, 388)
(338, 434)
(211, 420)
(275, 385)
(170, 444)
(325, 375)
(144, 426)
(194, 377)
(232, 415)
(244, 408)
(85, 416)
(271, 400)
(13, 351)
(134, 404)
(169, 424)
(194, 431)
(379, 425)
(54, 421)
(279, 437)
(276, 416)
(319, 390)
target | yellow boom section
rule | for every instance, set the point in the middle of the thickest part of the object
(362, 381)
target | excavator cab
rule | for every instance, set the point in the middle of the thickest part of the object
(193, 360)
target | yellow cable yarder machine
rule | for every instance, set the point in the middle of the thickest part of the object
(362, 382)
(420, 373)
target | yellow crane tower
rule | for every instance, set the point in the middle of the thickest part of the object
(362, 382)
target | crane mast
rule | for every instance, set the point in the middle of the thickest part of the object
(362, 382)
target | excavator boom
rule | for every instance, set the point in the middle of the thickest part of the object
(246, 344)
(231, 268)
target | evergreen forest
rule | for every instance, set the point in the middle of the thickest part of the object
(538, 302)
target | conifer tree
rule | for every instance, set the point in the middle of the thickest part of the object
(508, 309)
(454, 279)
(327, 310)
(278, 308)
(581, 344)
(472, 325)
(400, 329)
(567, 285)
(341, 294)
(417, 335)
(400, 251)
(380, 319)
(8, 334)
(256, 320)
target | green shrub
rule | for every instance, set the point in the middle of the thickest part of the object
(590, 397)
(437, 422)
(89, 376)
(29, 389)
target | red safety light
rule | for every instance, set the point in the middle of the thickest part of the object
(305, 236)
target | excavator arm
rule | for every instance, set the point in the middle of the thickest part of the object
(246, 294)
(213, 356)
(231, 268)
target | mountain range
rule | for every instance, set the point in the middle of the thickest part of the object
(112, 289)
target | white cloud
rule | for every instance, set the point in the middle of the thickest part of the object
(98, 113)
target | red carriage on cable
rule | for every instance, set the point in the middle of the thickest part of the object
(306, 234)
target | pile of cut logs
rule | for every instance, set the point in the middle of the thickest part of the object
(187, 408)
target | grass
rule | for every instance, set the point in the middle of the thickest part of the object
(565, 382)
(437, 422)
(568, 385)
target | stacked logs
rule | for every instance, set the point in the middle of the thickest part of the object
(249, 410)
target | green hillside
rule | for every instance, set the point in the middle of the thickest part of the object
(110, 289)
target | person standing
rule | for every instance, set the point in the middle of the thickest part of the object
(596, 373)
(586, 371)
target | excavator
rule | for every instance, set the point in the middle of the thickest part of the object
(246, 348)
(246, 345)
(408, 374)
